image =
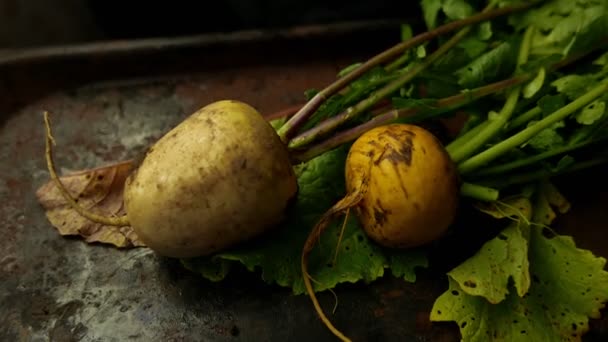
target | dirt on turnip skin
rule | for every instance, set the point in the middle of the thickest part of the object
(219, 178)
(404, 188)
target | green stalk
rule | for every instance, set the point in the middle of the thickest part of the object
(526, 177)
(502, 147)
(524, 118)
(479, 192)
(414, 115)
(291, 126)
(364, 105)
(411, 115)
(469, 147)
(507, 167)
(463, 139)
(397, 63)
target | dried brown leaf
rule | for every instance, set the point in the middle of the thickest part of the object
(99, 190)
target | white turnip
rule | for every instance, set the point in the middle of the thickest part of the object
(221, 177)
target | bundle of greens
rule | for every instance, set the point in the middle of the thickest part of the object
(530, 81)
(533, 85)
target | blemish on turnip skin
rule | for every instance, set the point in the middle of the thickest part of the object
(380, 215)
(213, 176)
(402, 154)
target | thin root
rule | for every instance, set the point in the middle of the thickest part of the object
(341, 236)
(344, 204)
(50, 141)
(333, 311)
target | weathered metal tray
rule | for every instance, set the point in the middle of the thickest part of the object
(109, 100)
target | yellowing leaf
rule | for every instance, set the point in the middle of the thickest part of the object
(488, 272)
(568, 287)
(99, 190)
(548, 198)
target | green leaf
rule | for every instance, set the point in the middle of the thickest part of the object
(406, 32)
(550, 103)
(403, 265)
(515, 208)
(548, 198)
(564, 26)
(347, 70)
(534, 86)
(505, 257)
(564, 163)
(214, 269)
(591, 32)
(568, 286)
(400, 103)
(534, 63)
(310, 93)
(430, 10)
(420, 51)
(484, 30)
(277, 123)
(573, 85)
(473, 46)
(438, 84)
(591, 112)
(277, 255)
(547, 139)
(356, 91)
(457, 9)
(488, 66)
(602, 60)
(452, 9)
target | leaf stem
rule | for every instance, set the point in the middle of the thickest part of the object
(526, 177)
(291, 126)
(329, 125)
(406, 115)
(524, 118)
(507, 167)
(495, 124)
(397, 63)
(415, 115)
(499, 149)
(479, 192)
(461, 140)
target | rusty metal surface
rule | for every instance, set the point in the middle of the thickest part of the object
(108, 105)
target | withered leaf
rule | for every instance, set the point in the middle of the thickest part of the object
(99, 190)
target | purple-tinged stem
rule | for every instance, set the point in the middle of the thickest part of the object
(451, 102)
(296, 121)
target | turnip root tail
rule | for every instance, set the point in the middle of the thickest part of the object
(110, 221)
(344, 205)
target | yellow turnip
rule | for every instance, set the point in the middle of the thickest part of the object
(403, 187)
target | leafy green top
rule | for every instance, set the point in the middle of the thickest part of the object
(277, 255)
(568, 285)
(523, 284)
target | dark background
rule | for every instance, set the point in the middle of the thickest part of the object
(27, 23)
